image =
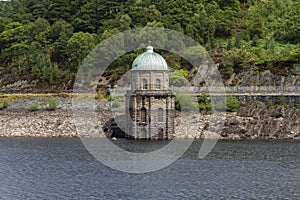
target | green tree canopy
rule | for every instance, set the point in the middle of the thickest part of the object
(78, 47)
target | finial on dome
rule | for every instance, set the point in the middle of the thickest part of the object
(149, 48)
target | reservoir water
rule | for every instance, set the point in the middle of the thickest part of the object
(61, 168)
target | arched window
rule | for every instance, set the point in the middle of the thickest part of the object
(160, 114)
(131, 114)
(145, 84)
(157, 85)
(161, 134)
(143, 133)
(143, 115)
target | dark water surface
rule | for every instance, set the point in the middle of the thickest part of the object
(61, 168)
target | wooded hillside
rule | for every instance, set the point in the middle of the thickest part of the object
(45, 40)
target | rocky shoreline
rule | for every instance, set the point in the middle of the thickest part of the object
(253, 121)
(256, 120)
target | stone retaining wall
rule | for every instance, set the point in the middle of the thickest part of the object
(253, 121)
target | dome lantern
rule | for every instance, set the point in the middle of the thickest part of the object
(149, 48)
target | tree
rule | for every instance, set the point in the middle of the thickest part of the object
(141, 14)
(78, 47)
(227, 17)
(14, 40)
(60, 10)
(58, 27)
(291, 31)
(179, 78)
(6, 9)
(20, 14)
(59, 49)
(124, 22)
(231, 4)
(84, 18)
(108, 33)
(39, 30)
(255, 25)
(201, 27)
(3, 23)
(58, 37)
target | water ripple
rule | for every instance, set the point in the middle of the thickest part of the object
(35, 168)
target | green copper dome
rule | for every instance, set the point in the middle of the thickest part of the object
(149, 61)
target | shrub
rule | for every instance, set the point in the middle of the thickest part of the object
(270, 104)
(34, 107)
(115, 104)
(185, 102)
(179, 77)
(52, 105)
(204, 103)
(115, 101)
(282, 100)
(232, 104)
(3, 105)
(101, 94)
(255, 70)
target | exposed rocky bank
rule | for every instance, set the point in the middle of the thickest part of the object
(253, 121)
(256, 120)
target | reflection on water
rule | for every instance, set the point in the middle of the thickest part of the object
(36, 168)
(141, 146)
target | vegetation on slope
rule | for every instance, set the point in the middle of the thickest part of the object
(45, 41)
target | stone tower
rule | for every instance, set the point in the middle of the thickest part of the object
(150, 103)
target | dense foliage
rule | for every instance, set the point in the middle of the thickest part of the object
(45, 41)
(232, 104)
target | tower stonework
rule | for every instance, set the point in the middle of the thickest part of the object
(150, 102)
